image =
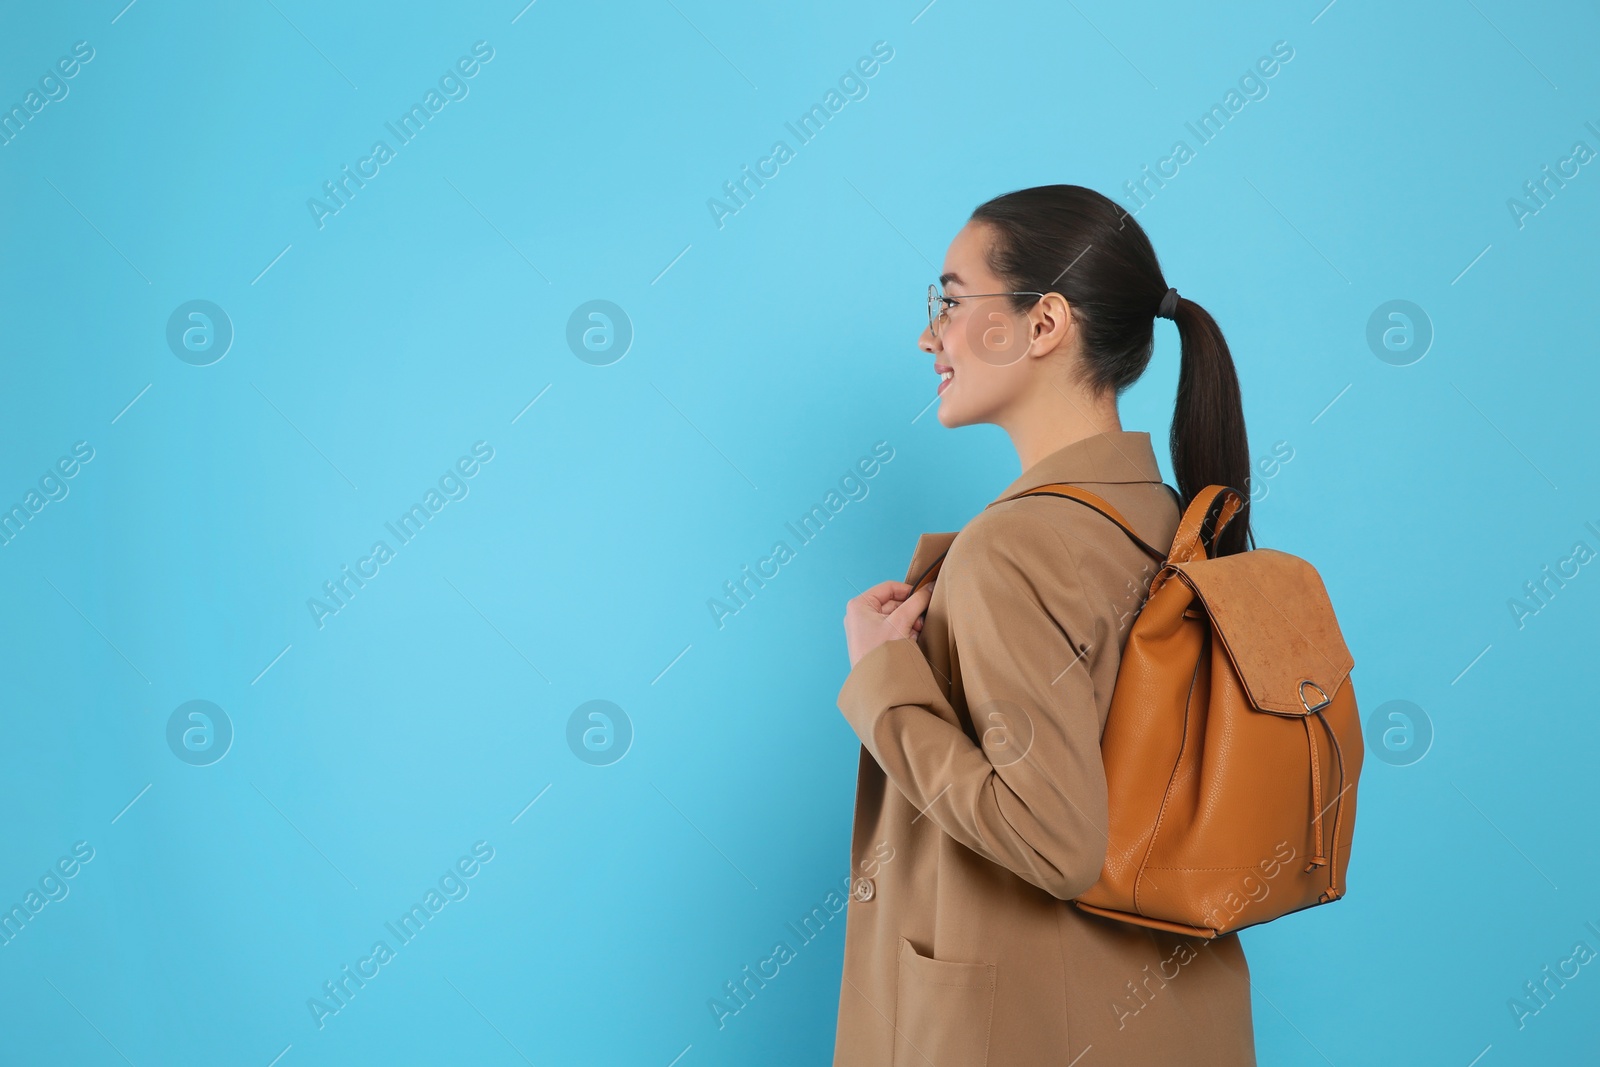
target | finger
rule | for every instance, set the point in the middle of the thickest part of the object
(922, 597)
(915, 605)
(870, 608)
(890, 590)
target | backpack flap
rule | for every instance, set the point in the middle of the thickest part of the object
(1273, 615)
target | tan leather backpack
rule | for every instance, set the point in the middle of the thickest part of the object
(1232, 732)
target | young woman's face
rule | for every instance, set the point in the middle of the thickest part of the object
(982, 340)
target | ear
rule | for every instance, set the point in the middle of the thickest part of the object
(1053, 325)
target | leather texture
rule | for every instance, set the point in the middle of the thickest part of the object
(981, 803)
(1233, 731)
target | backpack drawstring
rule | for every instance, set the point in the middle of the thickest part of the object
(1335, 890)
(1318, 860)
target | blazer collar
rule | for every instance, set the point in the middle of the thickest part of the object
(1116, 456)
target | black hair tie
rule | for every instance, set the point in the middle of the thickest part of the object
(1169, 305)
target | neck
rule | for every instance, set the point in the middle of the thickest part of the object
(1055, 417)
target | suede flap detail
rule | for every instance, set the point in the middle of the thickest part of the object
(1272, 613)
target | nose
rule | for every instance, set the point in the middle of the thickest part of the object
(927, 342)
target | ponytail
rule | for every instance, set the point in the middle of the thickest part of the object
(1209, 445)
(1074, 241)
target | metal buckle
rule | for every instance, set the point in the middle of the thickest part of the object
(1324, 702)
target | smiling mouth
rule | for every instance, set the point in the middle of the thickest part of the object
(944, 379)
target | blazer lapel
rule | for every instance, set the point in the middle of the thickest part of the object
(930, 549)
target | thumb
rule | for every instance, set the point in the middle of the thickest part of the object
(903, 616)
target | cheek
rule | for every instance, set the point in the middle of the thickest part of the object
(988, 337)
(976, 388)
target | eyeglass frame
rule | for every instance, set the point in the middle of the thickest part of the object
(936, 295)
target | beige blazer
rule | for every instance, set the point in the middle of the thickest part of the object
(981, 805)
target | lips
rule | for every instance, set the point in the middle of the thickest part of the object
(946, 374)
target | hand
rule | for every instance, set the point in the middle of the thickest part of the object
(886, 612)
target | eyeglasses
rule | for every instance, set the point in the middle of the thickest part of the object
(939, 305)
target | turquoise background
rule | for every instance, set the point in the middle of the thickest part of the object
(767, 356)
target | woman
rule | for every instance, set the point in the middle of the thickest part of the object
(981, 796)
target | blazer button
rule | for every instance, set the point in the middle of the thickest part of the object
(864, 889)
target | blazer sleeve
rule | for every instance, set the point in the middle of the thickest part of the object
(1031, 796)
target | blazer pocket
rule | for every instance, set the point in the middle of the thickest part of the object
(943, 1011)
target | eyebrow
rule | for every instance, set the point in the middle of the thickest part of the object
(946, 279)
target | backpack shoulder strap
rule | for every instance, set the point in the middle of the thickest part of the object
(1098, 503)
(1070, 492)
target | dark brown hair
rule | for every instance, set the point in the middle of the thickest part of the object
(1070, 240)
